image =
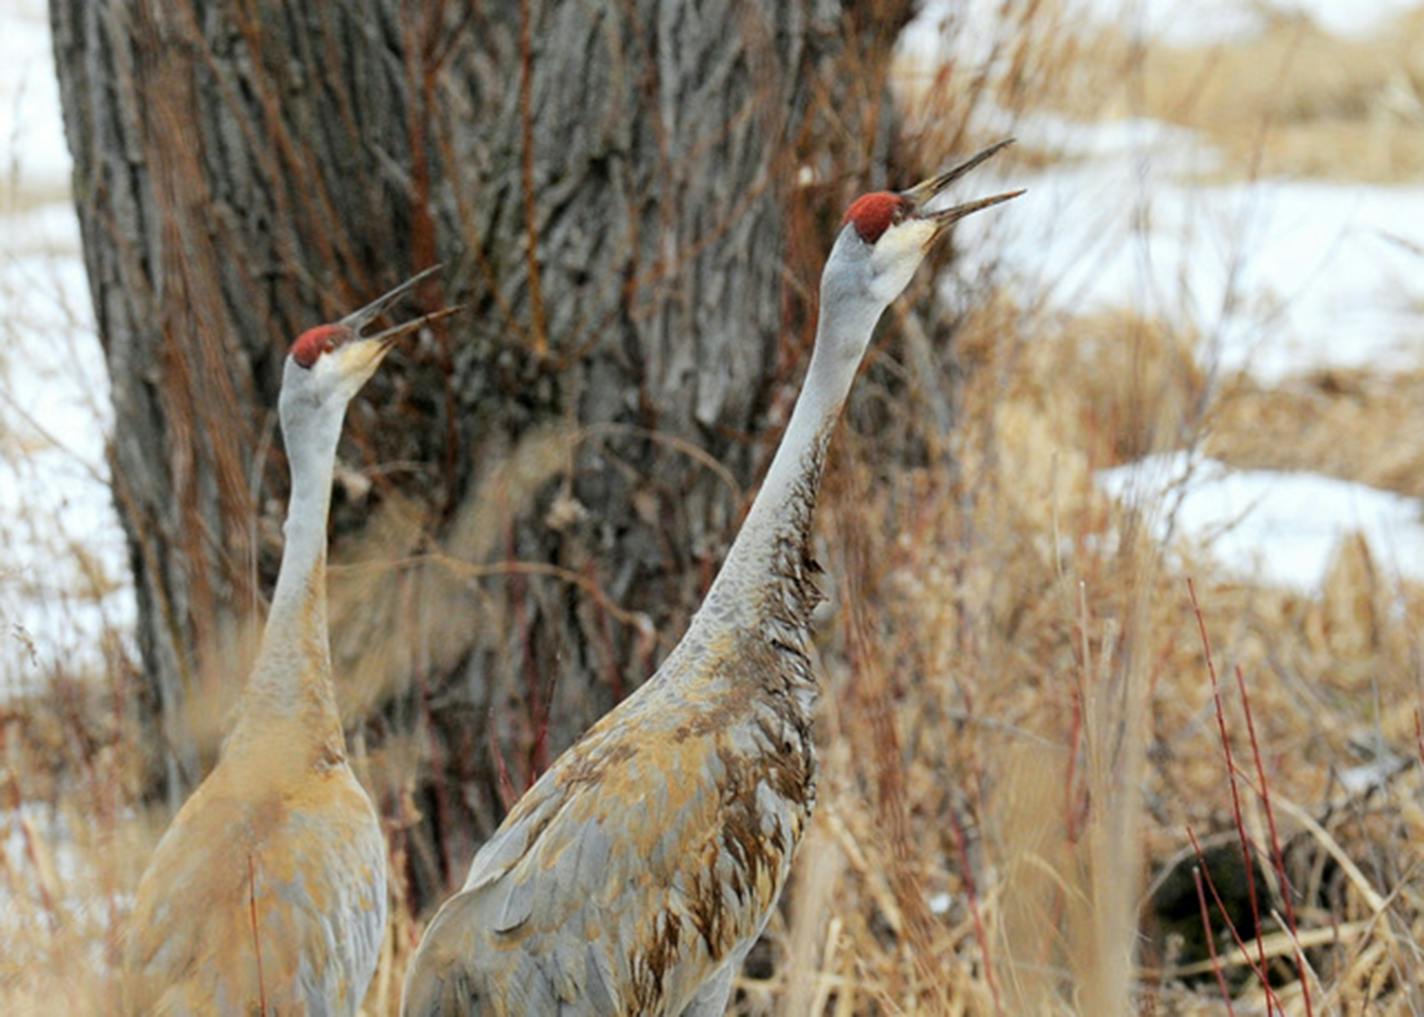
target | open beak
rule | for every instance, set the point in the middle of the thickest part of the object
(922, 193)
(358, 320)
(388, 338)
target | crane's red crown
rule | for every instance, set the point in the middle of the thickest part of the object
(312, 343)
(872, 214)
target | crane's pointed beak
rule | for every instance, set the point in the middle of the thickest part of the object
(360, 357)
(388, 338)
(359, 319)
(922, 193)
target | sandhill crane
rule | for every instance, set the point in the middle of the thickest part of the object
(267, 894)
(637, 872)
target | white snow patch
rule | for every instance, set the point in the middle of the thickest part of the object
(1207, 21)
(1279, 527)
(63, 565)
(1277, 276)
(973, 31)
(31, 131)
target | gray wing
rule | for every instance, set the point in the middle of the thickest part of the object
(309, 895)
(620, 884)
(711, 999)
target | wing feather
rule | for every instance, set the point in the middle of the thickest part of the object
(311, 871)
(628, 876)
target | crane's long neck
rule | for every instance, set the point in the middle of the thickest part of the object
(292, 677)
(766, 579)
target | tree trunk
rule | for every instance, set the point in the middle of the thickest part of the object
(535, 496)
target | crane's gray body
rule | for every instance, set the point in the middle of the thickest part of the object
(635, 875)
(268, 892)
(633, 878)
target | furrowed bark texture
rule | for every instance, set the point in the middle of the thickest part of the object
(535, 496)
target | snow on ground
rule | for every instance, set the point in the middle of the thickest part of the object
(1205, 21)
(62, 562)
(37, 850)
(30, 143)
(1277, 276)
(955, 28)
(58, 529)
(1280, 527)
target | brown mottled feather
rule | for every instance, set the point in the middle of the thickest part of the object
(634, 876)
(275, 865)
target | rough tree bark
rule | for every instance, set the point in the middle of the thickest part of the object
(536, 496)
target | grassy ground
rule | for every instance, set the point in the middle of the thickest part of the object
(1055, 750)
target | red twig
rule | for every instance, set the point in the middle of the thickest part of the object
(1235, 792)
(256, 938)
(1259, 970)
(973, 897)
(1277, 856)
(1211, 942)
(507, 795)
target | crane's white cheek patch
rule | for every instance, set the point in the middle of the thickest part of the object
(897, 256)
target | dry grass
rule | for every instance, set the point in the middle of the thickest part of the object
(1343, 109)
(1293, 100)
(1344, 423)
(1019, 727)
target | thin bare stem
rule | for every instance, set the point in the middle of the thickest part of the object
(1235, 791)
(1258, 967)
(972, 895)
(1211, 942)
(507, 794)
(256, 935)
(1277, 856)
